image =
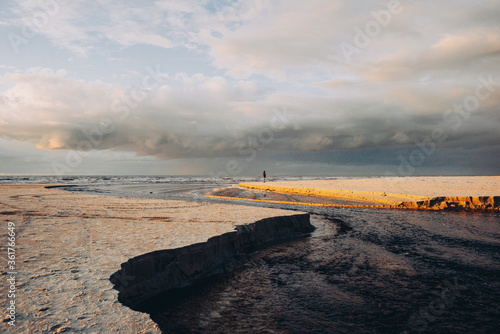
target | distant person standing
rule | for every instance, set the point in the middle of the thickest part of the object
(264, 176)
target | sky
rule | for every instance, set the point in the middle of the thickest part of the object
(233, 87)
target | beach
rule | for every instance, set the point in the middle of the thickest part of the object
(427, 193)
(67, 245)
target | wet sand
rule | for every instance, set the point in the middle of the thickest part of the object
(68, 245)
(428, 193)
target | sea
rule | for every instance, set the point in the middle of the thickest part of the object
(361, 271)
(90, 179)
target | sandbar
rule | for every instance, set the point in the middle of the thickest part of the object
(430, 193)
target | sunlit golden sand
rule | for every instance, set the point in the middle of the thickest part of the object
(435, 193)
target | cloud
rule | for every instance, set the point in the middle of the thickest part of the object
(297, 41)
(453, 52)
(84, 27)
(199, 116)
(246, 62)
(284, 37)
(56, 112)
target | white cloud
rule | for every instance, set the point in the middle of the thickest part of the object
(82, 26)
(290, 35)
(450, 53)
